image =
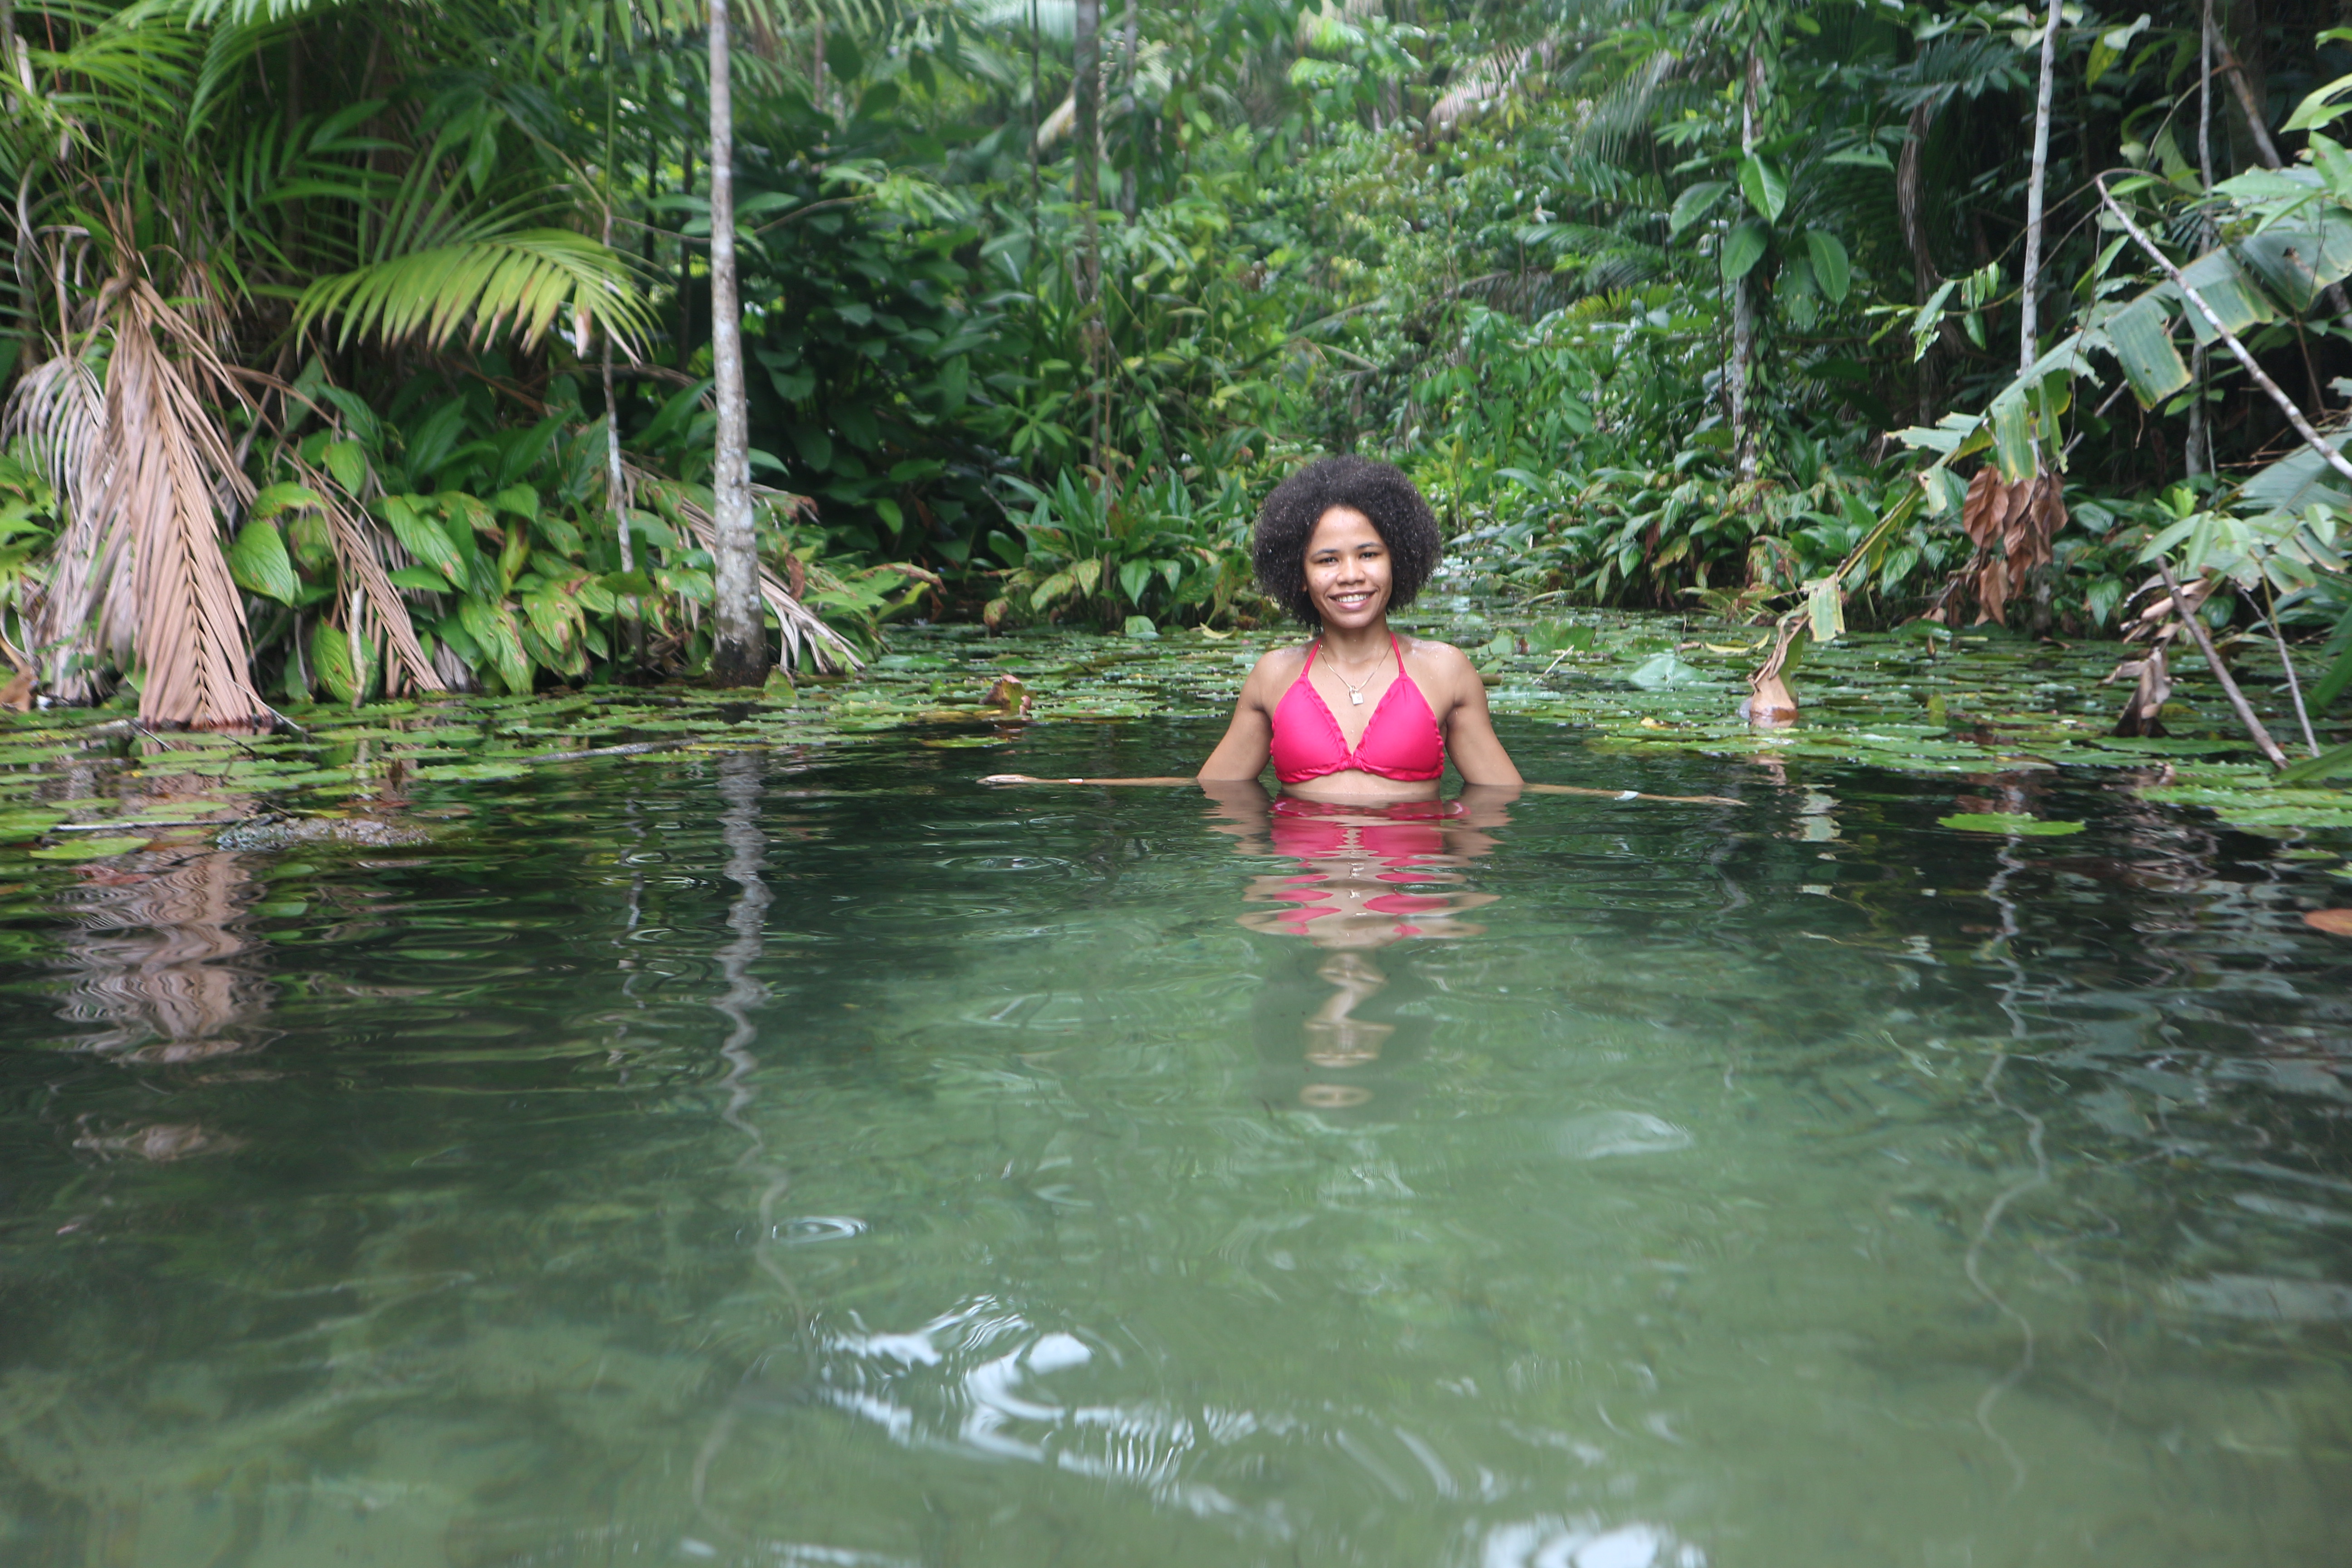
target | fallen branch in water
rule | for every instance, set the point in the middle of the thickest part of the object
(2270, 748)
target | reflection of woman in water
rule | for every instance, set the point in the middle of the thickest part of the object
(1366, 876)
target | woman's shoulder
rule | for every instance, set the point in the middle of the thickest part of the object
(1283, 662)
(1436, 657)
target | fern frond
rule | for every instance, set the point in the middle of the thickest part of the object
(520, 282)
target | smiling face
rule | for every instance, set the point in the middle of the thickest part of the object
(1349, 571)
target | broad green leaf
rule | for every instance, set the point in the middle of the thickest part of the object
(1692, 204)
(1764, 187)
(492, 627)
(1743, 247)
(2298, 261)
(520, 499)
(1825, 610)
(257, 563)
(2315, 110)
(271, 500)
(2012, 434)
(1132, 577)
(423, 537)
(1831, 270)
(2141, 334)
(2230, 291)
(348, 464)
(332, 665)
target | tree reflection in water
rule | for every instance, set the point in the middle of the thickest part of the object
(1363, 881)
(158, 956)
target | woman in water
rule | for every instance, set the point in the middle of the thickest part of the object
(1358, 713)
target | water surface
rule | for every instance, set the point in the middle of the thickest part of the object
(763, 1160)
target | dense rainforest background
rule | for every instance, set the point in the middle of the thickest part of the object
(357, 347)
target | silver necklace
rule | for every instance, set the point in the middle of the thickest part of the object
(1355, 687)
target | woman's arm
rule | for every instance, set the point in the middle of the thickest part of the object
(1469, 727)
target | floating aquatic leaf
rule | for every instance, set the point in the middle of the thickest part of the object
(92, 848)
(1664, 669)
(2009, 822)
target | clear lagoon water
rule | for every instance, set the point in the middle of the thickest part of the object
(782, 1158)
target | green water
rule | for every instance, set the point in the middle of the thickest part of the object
(787, 1158)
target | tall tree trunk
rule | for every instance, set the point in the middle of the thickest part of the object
(1909, 204)
(2198, 458)
(1743, 307)
(2029, 306)
(1085, 90)
(1134, 120)
(1036, 105)
(816, 56)
(738, 655)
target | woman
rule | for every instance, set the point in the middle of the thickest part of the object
(1359, 712)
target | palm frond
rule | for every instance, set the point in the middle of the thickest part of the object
(800, 625)
(374, 613)
(522, 282)
(59, 405)
(170, 460)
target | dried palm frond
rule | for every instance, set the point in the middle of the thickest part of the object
(801, 626)
(60, 406)
(374, 614)
(145, 471)
(169, 462)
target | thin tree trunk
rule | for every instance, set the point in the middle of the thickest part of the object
(1909, 204)
(2029, 306)
(617, 486)
(1036, 105)
(684, 270)
(1743, 310)
(1086, 89)
(816, 56)
(2198, 458)
(738, 655)
(1134, 121)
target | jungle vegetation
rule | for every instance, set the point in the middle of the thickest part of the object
(355, 349)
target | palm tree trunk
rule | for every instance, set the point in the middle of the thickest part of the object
(2030, 300)
(740, 655)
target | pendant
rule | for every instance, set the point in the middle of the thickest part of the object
(1357, 698)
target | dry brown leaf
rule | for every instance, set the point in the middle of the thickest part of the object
(2335, 922)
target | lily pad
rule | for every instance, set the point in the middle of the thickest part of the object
(89, 848)
(2009, 822)
(1663, 670)
(473, 771)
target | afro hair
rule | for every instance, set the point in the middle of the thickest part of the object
(1380, 492)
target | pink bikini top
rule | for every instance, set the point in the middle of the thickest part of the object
(1403, 742)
